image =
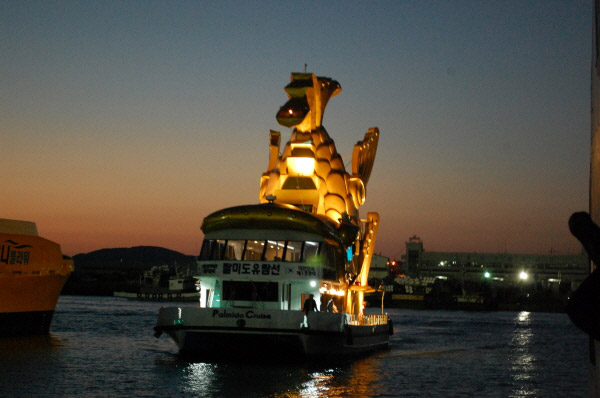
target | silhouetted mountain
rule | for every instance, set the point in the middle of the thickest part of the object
(138, 258)
(102, 272)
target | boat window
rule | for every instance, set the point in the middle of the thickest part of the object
(234, 249)
(293, 252)
(270, 250)
(274, 250)
(212, 249)
(250, 291)
(206, 249)
(219, 251)
(254, 250)
(335, 255)
(329, 273)
(340, 256)
(311, 249)
(298, 183)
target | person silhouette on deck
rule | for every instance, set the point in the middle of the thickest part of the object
(331, 307)
(310, 305)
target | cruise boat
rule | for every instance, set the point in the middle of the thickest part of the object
(262, 265)
(33, 271)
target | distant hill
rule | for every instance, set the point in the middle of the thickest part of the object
(102, 272)
(137, 258)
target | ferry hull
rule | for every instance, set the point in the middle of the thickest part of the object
(213, 343)
(25, 323)
(27, 303)
(218, 332)
(33, 272)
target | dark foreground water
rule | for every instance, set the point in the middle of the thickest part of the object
(104, 347)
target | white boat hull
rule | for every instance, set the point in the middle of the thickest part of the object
(218, 331)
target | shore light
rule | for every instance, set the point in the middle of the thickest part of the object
(523, 275)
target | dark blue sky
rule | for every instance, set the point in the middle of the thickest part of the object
(125, 123)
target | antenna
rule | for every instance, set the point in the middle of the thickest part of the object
(305, 68)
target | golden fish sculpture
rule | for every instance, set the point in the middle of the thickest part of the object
(309, 173)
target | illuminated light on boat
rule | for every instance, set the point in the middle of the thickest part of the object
(332, 291)
(302, 166)
(302, 160)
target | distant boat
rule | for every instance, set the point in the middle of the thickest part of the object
(160, 284)
(33, 271)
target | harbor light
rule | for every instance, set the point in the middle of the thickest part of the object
(487, 274)
(523, 275)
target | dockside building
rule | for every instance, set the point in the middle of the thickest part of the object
(507, 268)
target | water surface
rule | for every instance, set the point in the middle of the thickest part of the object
(104, 347)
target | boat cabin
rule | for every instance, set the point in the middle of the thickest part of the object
(272, 264)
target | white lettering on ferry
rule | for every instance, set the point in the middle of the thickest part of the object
(232, 314)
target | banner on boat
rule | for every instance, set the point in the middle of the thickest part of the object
(259, 269)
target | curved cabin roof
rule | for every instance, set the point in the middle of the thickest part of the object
(269, 216)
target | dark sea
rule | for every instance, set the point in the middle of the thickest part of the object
(104, 347)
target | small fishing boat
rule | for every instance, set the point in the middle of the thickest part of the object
(161, 283)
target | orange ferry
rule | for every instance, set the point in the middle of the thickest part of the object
(33, 271)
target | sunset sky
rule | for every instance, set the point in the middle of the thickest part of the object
(125, 123)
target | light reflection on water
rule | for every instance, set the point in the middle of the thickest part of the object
(522, 359)
(432, 354)
(104, 347)
(198, 377)
(337, 379)
(317, 386)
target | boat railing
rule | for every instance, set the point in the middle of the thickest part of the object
(366, 320)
